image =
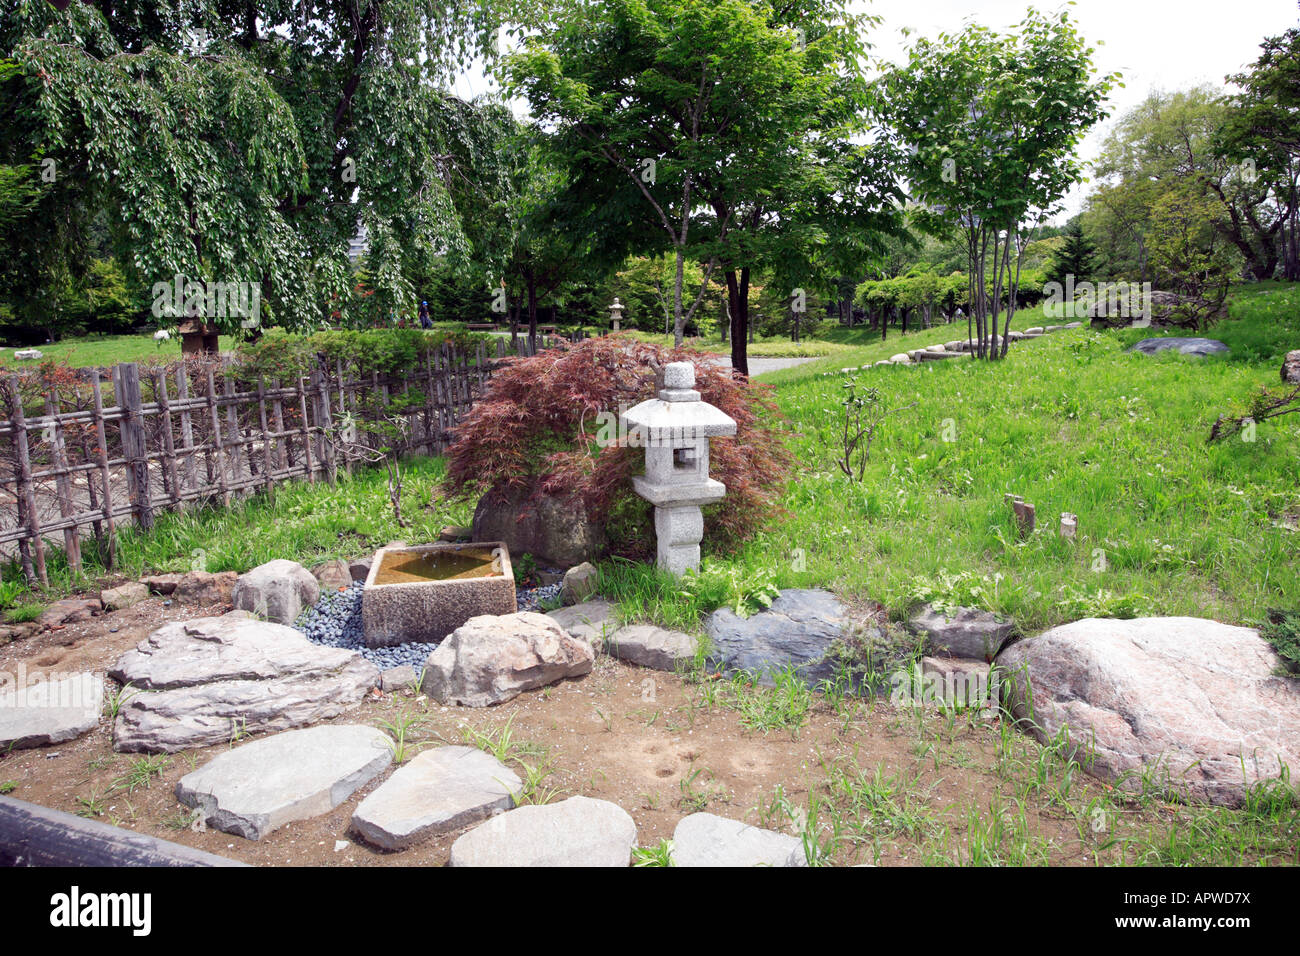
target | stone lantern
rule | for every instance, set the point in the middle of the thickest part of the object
(675, 429)
(616, 314)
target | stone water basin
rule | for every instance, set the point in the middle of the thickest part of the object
(424, 592)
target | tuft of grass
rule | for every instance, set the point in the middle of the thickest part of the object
(22, 613)
(661, 854)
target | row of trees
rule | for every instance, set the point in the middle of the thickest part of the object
(1199, 186)
(740, 141)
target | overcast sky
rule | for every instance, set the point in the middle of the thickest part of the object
(1156, 44)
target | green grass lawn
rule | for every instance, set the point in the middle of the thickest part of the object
(101, 350)
(1072, 423)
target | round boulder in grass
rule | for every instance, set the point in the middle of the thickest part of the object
(277, 591)
(1197, 708)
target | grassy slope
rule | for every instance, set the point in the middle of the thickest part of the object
(1071, 423)
(103, 350)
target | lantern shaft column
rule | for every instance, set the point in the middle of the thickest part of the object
(679, 530)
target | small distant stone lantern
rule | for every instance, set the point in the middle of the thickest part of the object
(675, 429)
(616, 314)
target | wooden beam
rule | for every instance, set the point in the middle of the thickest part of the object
(32, 835)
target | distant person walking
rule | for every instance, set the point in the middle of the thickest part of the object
(425, 321)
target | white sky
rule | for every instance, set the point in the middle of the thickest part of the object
(1156, 44)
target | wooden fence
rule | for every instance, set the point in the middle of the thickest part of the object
(91, 449)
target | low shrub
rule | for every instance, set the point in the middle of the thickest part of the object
(547, 424)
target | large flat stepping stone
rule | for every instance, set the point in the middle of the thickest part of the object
(579, 831)
(49, 712)
(592, 621)
(809, 630)
(1185, 345)
(1195, 705)
(494, 658)
(437, 791)
(704, 839)
(199, 681)
(261, 786)
(655, 647)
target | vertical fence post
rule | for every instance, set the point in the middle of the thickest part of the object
(134, 444)
(62, 481)
(218, 444)
(26, 497)
(169, 444)
(187, 428)
(321, 421)
(101, 440)
(308, 458)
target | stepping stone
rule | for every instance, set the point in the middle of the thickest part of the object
(437, 791)
(261, 786)
(592, 621)
(653, 647)
(398, 678)
(1185, 345)
(49, 712)
(200, 680)
(579, 831)
(809, 630)
(703, 839)
(1197, 706)
(69, 611)
(961, 632)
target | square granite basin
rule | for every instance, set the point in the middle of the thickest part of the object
(425, 592)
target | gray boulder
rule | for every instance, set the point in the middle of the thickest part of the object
(654, 647)
(1291, 367)
(961, 632)
(579, 831)
(809, 630)
(277, 591)
(333, 575)
(1184, 345)
(1196, 706)
(437, 791)
(123, 596)
(261, 786)
(579, 583)
(200, 681)
(494, 658)
(553, 530)
(703, 839)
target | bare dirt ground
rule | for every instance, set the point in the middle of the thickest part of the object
(651, 742)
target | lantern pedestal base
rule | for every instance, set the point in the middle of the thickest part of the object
(679, 531)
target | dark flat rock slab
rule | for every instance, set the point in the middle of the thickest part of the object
(1184, 345)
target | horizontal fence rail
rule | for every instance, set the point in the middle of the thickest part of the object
(89, 449)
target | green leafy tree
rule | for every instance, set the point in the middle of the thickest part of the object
(991, 123)
(248, 143)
